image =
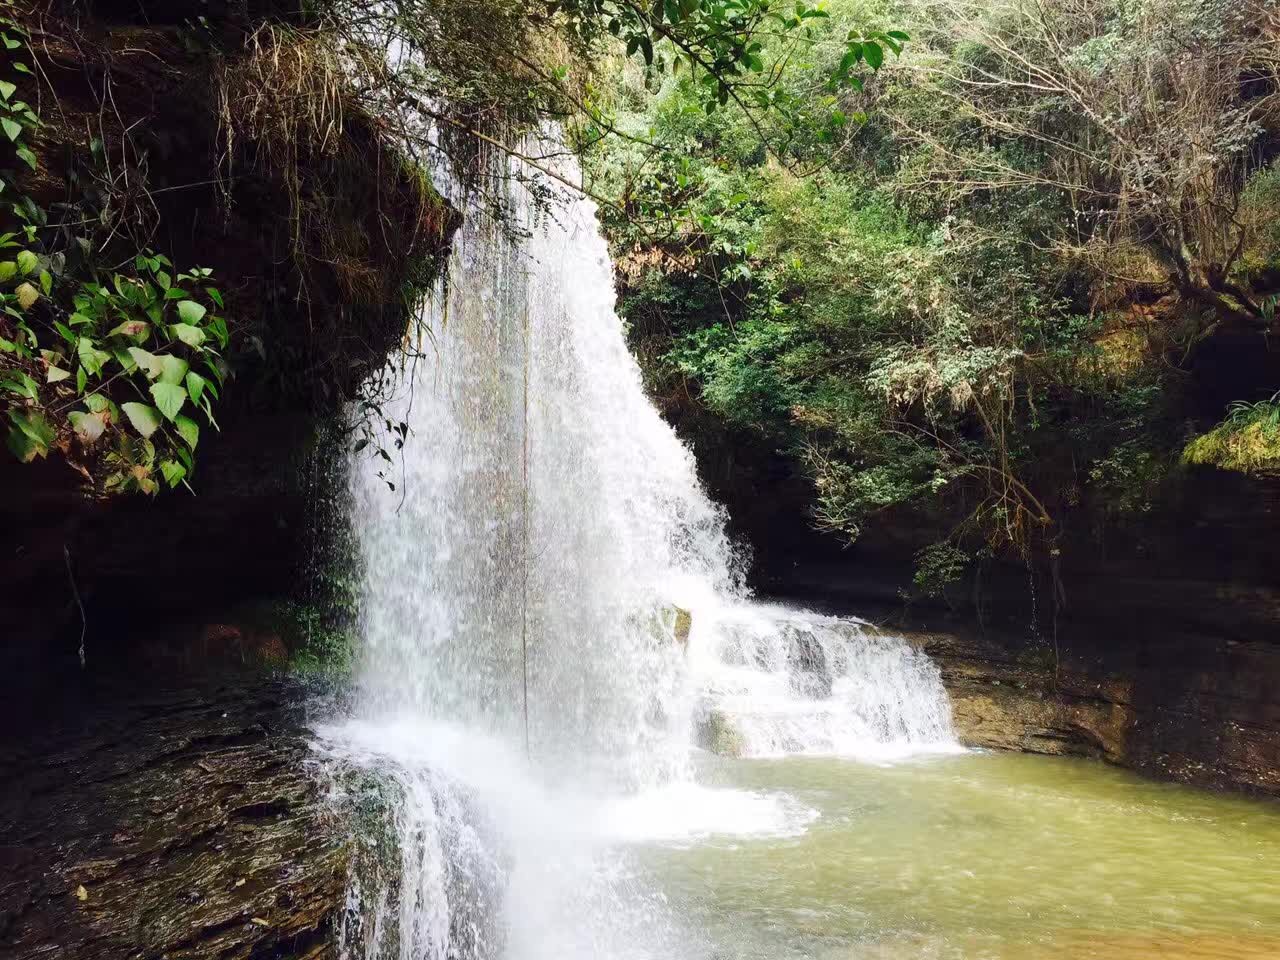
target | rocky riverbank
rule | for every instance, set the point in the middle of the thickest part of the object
(1170, 706)
(183, 821)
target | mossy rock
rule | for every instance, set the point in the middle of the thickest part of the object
(719, 735)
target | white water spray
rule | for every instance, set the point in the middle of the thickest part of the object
(548, 524)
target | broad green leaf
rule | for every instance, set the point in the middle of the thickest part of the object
(127, 363)
(188, 429)
(195, 386)
(12, 129)
(148, 362)
(82, 379)
(91, 358)
(8, 270)
(173, 471)
(46, 282)
(190, 311)
(191, 336)
(144, 418)
(88, 426)
(57, 375)
(172, 369)
(169, 397)
(96, 403)
(27, 261)
(7, 89)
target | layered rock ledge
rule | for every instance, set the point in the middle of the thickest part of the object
(185, 822)
(1167, 705)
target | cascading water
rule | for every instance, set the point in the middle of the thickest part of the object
(547, 526)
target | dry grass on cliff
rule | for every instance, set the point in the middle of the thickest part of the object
(291, 109)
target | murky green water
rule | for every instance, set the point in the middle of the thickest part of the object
(999, 856)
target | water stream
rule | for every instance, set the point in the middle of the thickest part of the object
(548, 535)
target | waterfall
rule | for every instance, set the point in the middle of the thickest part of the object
(546, 532)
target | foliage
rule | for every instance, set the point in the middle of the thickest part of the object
(979, 300)
(74, 361)
(1248, 440)
(732, 50)
(938, 566)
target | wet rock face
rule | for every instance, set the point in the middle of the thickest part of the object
(1171, 706)
(186, 823)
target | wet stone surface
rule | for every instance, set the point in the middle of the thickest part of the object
(180, 822)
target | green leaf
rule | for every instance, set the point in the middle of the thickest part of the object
(195, 386)
(88, 426)
(56, 375)
(173, 472)
(172, 369)
(7, 89)
(91, 358)
(169, 397)
(191, 336)
(12, 129)
(130, 328)
(46, 282)
(82, 379)
(8, 270)
(27, 295)
(219, 328)
(31, 436)
(96, 403)
(27, 157)
(874, 54)
(27, 261)
(145, 419)
(190, 311)
(20, 383)
(188, 429)
(149, 363)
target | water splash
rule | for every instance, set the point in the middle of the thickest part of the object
(547, 525)
(773, 680)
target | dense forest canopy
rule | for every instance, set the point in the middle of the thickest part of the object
(986, 260)
(1034, 262)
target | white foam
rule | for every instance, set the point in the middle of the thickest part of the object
(687, 811)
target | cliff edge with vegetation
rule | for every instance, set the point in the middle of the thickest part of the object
(987, 346)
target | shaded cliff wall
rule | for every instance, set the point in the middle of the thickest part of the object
(313, 246)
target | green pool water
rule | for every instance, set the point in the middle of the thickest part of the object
(982, 855)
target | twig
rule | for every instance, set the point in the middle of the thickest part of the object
(84, 622)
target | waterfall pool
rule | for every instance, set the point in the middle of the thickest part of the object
(519, 748)
(977, 856)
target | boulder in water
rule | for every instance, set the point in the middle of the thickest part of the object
(718, 733)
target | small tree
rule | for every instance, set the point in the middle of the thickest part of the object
(1146, 118)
